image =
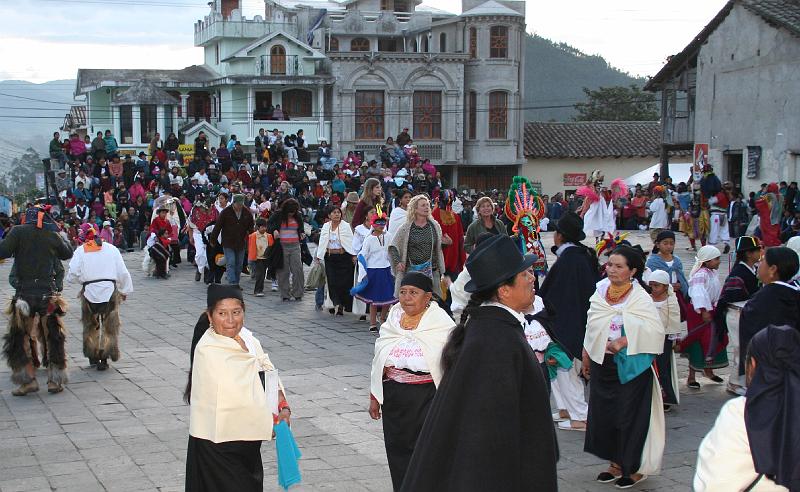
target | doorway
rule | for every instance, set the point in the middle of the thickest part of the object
(264, 108)
(733, 169)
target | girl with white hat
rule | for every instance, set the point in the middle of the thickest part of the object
(705, 348)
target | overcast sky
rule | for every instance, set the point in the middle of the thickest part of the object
(44, 40)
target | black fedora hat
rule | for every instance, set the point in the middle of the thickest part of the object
(495, 260)
(747, 243)
(570, 225)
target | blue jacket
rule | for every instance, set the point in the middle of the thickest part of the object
(655, 262)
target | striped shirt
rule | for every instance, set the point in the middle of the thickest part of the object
(289, 232)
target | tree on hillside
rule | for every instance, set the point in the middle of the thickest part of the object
(617, 104)
(22, 177)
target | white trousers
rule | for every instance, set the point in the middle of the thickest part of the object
(732, 318)
(568, 391)
(291, 152)
(200, 257)
(719, 229)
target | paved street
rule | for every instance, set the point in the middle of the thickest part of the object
(126, 428)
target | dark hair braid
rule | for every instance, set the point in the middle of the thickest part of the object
(452, 348)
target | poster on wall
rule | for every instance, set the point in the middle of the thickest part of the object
(700, 160)
(573, 180)
(753, 160)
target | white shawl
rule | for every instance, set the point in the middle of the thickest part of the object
(640, 318)
(345, 238)
(670, 314)
(229, 402)
(431, 334)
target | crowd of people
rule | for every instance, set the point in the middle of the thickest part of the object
(475, 328)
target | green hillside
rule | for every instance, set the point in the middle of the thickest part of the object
(556, 73)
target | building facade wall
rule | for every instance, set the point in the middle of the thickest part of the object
(398, 77)
(484, 75)
(550, 172)
(748, 76)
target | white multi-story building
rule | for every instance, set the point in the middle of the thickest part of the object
(354, 72)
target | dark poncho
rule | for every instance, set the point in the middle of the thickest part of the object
(773, 304)
(740, 285)
(489, 426)
(568, 287)
(773, 404)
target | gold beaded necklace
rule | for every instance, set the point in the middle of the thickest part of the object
(409, 322)
(615, 294)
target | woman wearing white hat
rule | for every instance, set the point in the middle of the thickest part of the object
(706, 350)
(669, 311)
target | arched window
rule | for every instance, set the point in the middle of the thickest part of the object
(413, 46)
(498, 42)
(424, 48)
(333, 45)
(498, 114)
(473, 42)
(277, 60)
(359, 44)
(442, 43)
(297, 102)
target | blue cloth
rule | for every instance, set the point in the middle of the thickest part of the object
(288, 453)
(630, 366)
(379, 289)
(234, 261)
(655, 262)
(359, 287)
(563, 360)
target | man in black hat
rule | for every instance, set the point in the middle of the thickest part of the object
(37, 307)
(567, 287)
(489, 426)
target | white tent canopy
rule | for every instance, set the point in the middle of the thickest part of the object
(678, 171)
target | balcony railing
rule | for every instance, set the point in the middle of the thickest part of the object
(279, 65)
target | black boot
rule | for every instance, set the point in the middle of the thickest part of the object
(102, 365)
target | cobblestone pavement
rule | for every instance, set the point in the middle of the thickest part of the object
(126, 428)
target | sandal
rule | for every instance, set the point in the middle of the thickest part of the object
(715, 378)
(373, 329)
(693, 384)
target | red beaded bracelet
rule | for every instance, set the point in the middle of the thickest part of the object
(283, 405)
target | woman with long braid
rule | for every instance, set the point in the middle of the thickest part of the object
(493, 392)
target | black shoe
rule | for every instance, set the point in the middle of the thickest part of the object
(93, 362)
(332, 311)
(102, 365)
(628, 482)
(339, 312)
(197, 276)
(286, 299)
(363, 317)
(727, 249)
(606, 477)
(373, 328)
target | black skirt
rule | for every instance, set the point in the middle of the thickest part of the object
(225, 467)
(619, 415)
(405, 407)
(664, 364)
(339, 270)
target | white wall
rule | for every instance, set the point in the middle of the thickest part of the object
(752, 98)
